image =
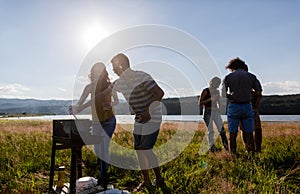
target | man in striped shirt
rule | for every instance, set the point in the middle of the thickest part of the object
(143, 96)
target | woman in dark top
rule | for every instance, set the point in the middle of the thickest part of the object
(210, 100)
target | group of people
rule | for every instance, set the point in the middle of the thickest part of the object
(243, 92)
(144, 97)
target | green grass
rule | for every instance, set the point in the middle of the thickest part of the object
(26, 149)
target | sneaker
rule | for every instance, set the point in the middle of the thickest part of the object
(144, 186)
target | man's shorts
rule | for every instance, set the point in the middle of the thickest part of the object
(240, 113)
(145, 135)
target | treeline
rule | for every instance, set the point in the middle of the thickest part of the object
(270, 105)
(280, 105)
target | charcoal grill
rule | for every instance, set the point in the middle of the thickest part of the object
(71, 134)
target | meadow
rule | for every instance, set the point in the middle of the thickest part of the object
(25, 153)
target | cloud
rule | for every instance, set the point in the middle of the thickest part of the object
(281, 88)
(14, 90)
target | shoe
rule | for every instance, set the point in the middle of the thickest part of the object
(144, 186)
(159, 183)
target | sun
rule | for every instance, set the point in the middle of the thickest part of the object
(93, 34)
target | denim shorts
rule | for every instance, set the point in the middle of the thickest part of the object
(145, 135)
(240, 113)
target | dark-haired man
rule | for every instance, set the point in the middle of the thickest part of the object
(144, 96)
(237, 87)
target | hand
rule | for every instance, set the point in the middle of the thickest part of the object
(143, 118)
(70, 109)
(73, 109)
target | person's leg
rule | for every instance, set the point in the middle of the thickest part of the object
(243, 135)
(144, 164)
(96, 131)
(207, 117)
(220, 126)
(109, 127)
(148, 160)
(257, 132)
(139, 141)
(151, 161)
(232, 140)
(248, 126)
(233, 119)
(250, 142)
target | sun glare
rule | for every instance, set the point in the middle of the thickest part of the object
(93, 34)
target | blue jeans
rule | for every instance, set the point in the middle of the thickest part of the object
(210, 117)
(240, 113)
(105, 130)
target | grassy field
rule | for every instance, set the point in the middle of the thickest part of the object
(26, 149)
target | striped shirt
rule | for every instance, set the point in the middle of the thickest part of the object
(136, 91)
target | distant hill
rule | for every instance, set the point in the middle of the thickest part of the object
(45, 107)
(274, 104)
(33, 106)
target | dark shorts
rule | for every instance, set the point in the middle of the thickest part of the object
(145, 135)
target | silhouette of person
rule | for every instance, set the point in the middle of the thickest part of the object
(210, 100)
(144, 96)
(255, 101)
(237, 87)
(103, 118)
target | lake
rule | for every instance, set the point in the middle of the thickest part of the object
(129, 118)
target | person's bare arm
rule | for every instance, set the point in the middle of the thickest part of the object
(202, 97)
(83, 106)
(257, 102)
(158, 94)
(80, 105)
(84, 95)
(115, 98)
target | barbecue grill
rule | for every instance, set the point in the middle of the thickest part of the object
(71, 134)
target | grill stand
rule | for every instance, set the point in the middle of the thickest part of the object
(76, 163)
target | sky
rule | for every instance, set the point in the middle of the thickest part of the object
(44, 43)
